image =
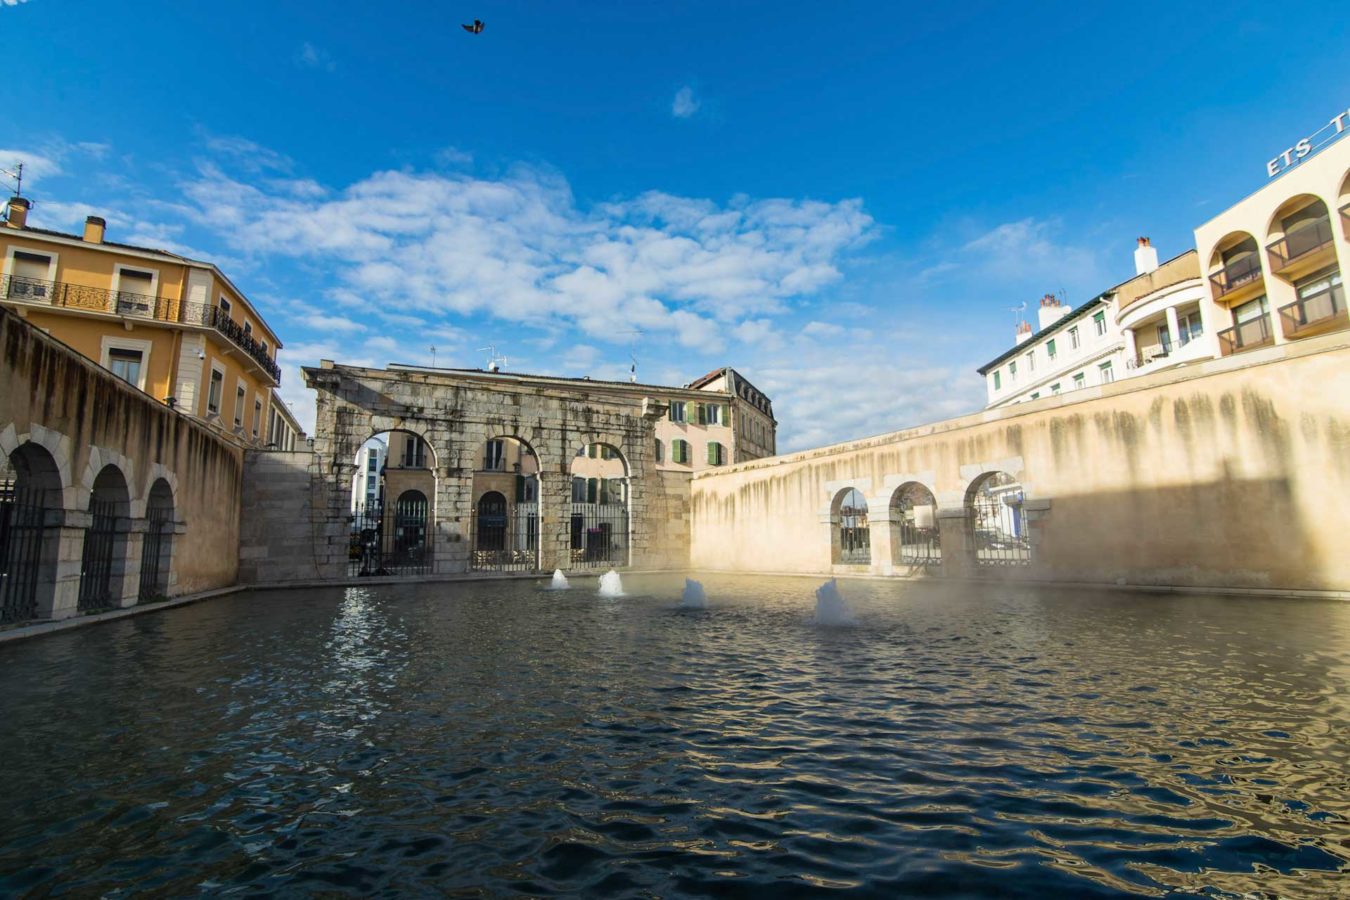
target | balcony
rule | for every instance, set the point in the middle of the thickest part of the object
(125, 304)
(1238, 281)
(1247, 336)
(1304, 249)
(1315, 314)
(1159, 356)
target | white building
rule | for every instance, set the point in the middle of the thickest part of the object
(369, 465)
(1074, 348)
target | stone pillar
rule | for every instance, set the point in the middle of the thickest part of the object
(555, 520)
(125, 583)
(450, 526)
(830, 522)
(62, 557)
(882, 536)
(1173, 328)
(958, 553)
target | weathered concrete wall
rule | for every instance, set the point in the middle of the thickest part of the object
(277, 536)
(55, 401)
(1231, 473)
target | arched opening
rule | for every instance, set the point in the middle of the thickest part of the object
(157, 547)
(506, 503)
(104, 557)
(996, 521)
(385, 538)
(599, 521)
(30, 484)
(915, 540)
(1302, 248)
(848, 515)
(1238, 284)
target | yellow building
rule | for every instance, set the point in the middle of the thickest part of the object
(176, 328)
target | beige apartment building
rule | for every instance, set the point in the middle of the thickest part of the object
(176, 328)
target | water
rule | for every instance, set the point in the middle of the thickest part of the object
(693, 596)
(611, 584)
(831, 607)
(488, 739)
(559, 582)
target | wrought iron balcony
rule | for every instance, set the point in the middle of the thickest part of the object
(1315, 314)
(1304, 248)
(62, 295)
(1236, 276)
(1246, 336)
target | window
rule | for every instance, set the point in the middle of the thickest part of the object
(578, 489)
(660, 451)
(135, 291)
(239, 395)
(30, 275)
(712, 414)
(679, 451)
(1073, 337)
(248, 328)
(1050, 349)
(372, 461)
(1036, 396)
(608, 452)
(1107, 376)
(494, 457)
(1315, 285)
(1031, 361)
(1012, 371)
(126, 365)
(257, 417)
(998, 381)
(1189, 327)
(1054, 388)
(1099, 322)
(1079, 381)
(716, 454)
(224, 305)
(414, 453)
(264, 348)
(677, 413)
(214, 392)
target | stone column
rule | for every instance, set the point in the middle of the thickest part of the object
(830, 522)
(958, 553)
(555, 521)
(882, 536)
(450, 526)
(1173, 328)
(1131, 349)
(62, 557)
(125, 583)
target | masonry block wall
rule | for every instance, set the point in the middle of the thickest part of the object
(67, 424)
(1229, 473)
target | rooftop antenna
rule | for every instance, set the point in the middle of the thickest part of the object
(495, 362)
(15, 176)
(433, 355)
(632, 352)
(1017, 312)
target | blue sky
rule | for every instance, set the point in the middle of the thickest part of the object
(842, 200)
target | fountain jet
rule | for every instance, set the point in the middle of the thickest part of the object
(831, 608)
(693, 598)
(611, 585)
(559, 582)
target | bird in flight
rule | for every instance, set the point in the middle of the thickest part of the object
(475, 28)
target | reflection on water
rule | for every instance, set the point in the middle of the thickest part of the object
(495, 739)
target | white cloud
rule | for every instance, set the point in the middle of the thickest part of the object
(452, 157)
(822, 329)
(312, 57)
(685, 103)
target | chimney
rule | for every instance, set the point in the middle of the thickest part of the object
(93, 229)
(1051, 310)
(1145, 257)
(17, 213)
(1023, 331)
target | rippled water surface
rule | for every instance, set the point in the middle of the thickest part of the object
(494, 738)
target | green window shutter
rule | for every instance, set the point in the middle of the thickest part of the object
(520, 488)
(726, 414)
(702, 414)
(592, 485)
(1050, 346)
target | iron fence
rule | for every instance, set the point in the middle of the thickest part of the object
(96, 564)
(21, 532)
(155, 552)
(599, 535)
(385, 542)
(997, 524)
(919, 541)
(505, 536)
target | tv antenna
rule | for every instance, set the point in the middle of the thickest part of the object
(495, 362)
(632, 352)
(15, 176)
(1017, 312)
(432, 348)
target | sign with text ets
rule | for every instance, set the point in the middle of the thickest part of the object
(1309, 145)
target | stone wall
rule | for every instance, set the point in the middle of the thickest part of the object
(277, 537)
(1231, 473)
(67, 423)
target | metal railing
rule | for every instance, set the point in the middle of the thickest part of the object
(1237, 274)
(1308, 237)
(1312, 310)
(63, 295)
(1245, 336)
(390, 541)
(21, 545)
(599, 535)
(505, 537)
